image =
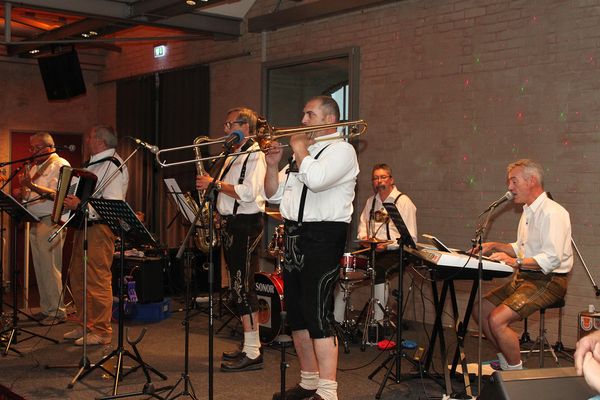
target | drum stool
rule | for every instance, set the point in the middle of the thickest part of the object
(541, 344)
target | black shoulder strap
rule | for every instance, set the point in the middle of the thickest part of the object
(305, 192)
(112, 159)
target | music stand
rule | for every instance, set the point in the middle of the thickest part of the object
(396, 355)
(18, 213)
(121, 219)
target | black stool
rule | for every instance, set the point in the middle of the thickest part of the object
(541, 344)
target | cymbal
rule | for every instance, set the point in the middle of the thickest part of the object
(275, 214)
(375, 240)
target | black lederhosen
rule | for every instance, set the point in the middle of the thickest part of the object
(310, 274)
(240, 236)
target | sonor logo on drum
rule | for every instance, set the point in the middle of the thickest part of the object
(265, 288)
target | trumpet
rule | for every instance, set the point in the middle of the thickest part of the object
(265, 135)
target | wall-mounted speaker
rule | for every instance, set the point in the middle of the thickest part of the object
(62, 76)
(544, 383)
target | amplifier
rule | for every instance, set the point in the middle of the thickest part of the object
(587, 323)
(544, 383)
(147, 272)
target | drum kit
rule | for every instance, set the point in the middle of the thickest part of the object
(355, 270)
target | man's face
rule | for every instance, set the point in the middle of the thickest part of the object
(520, 185)
(38, 147)
(313, 114)
(382, 180)
(234, 123)
(94, 144)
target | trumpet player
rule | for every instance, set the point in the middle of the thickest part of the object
(38, 187)
(315, 194)
(241, 204)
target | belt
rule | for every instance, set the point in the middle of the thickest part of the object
(540, 272)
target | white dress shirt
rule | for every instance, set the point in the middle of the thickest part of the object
(251, 191)
(49, 179)
(545, 234)
(116, 189)
(330, 180)
(369, 228)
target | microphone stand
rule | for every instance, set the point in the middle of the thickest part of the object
(478, 241)
(84, 366)
(210, 197)
(587, 270)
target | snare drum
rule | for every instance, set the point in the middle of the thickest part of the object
(353, 267)
(269, 290)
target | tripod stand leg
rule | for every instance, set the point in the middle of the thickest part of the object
(11, 337)
(386, 376)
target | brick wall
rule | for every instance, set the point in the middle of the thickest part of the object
(453, 91)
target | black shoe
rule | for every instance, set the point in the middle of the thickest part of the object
(242, 364)
(295, 393)
(232, 355)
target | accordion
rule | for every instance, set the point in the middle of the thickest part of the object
(75, 181)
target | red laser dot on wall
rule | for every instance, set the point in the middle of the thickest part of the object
(467, 82)
(520, 115)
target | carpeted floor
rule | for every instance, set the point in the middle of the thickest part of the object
(163, 348)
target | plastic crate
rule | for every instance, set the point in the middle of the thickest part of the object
(149, 312)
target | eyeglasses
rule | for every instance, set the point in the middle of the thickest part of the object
(381, 178)
(34, 149)
(227, 125)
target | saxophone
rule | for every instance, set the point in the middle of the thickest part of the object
(202, 236)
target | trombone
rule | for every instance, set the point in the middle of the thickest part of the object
(265, 135)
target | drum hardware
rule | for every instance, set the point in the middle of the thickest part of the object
(276, 247)
(370, 324)
(346, 329)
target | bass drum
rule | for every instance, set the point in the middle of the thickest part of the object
(269, 290)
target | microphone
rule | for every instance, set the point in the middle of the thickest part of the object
(234, 138)
(507, 196)
(66, 147)
(150, 147)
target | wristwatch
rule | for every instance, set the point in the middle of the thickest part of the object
(519, 262)
(218, 185)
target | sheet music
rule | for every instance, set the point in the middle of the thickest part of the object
(179, 198)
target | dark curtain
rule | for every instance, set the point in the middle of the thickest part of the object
(167, 109)
(136, 118)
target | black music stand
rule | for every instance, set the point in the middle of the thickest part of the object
(121, 219)
(18, 213)
(397, 354)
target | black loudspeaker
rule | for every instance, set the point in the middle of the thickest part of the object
(62, 76)
(545, 383)
(147, 272)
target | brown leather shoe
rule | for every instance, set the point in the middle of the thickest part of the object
(242, 364)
